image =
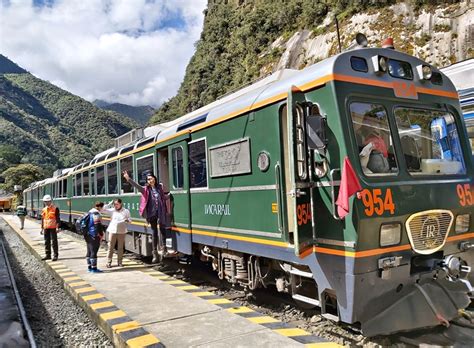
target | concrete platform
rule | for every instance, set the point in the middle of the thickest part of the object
(137, 306)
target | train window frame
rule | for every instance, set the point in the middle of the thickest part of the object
(137, 179)
(108, 177)
(206, 150)
(93, 186)
(376, 176)
(84, 175)
(78, 193)
(64, 190)
(172, 167)
(459, 128)
(104, 172)
(122, 179)
(354, 59)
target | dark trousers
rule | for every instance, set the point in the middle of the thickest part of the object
(158, 235)
(50, 234)
(93, 245)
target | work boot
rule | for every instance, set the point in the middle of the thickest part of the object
(55, 258)
(46, 258)
(156, 257)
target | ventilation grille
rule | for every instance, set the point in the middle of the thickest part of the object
(428, 230)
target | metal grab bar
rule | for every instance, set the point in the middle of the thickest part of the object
(278, 195)
(333, 194)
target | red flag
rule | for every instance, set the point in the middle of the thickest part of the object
(349, 186)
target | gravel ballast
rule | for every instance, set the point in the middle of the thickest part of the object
(56, 321)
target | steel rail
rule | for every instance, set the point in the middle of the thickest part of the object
(19, 303)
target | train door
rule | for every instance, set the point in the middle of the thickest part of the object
(180, 195)
(298, 180)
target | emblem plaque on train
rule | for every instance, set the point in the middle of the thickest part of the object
(430, 230)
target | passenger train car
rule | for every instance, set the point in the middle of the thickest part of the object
(255, 176)
(462, 75)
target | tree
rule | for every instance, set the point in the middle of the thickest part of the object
(10, 154)
(22, 174)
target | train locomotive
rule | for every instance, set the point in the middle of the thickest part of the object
(257, 180)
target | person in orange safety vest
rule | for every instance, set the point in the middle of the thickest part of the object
(49, 225)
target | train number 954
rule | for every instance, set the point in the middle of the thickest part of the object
(303, 213)
(377, 202)
(465, 194)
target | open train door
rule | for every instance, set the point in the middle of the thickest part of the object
(180, 196)
(299, 189)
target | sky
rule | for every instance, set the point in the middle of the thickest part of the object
(127, 51)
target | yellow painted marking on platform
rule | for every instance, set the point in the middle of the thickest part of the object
(81, 290)
(202, 293)
(292, 332)
(142, 341)
(237, 310)
(58, 265)
(98, 305)
(154, 273)
(323, 345)
(113, 315)
(219, 301)
(68, 279)
(129, 325)
(174, 282)
(92, 297)
(263, 320)
(187, 287)
(161, 277)
(67, 274)
(78, 284)
(61, 270)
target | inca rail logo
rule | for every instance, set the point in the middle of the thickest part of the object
(431, 232)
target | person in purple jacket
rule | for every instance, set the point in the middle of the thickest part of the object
(153, 209)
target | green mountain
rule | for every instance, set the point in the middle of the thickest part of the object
(51, 127)
(244, 40)
(140, 114)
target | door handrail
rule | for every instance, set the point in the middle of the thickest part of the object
(333, 194)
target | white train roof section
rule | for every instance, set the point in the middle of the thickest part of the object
(461, 74)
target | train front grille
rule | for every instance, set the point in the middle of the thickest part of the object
(428, 230)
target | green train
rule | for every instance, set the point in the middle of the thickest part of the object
(257, 180)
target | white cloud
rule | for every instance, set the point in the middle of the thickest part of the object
(128, 51)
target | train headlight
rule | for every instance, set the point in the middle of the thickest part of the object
(390, 234)
(380, 64)
(424, 72)
(462, 223)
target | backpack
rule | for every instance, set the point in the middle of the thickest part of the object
(82, 225)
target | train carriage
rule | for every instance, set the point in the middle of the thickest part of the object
(257, 179)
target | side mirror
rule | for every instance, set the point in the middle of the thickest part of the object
(316, 132)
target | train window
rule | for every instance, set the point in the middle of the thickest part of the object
(436, 78)
(112, 178)
(400, 69)
(144, 167)
(374, 140)
(359, 64)
(64, 193)
(100, 180)
(78, 185)
(85, 183)
(197, 164)
(178, 174)
(126, 164)
(470, 133)
(73, 186)
(430, 141)
(92, 182)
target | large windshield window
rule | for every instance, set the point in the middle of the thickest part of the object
(374, 139)
(430, 141)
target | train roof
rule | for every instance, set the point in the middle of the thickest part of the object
(275, 87)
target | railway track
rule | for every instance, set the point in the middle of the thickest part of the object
(15, 330)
